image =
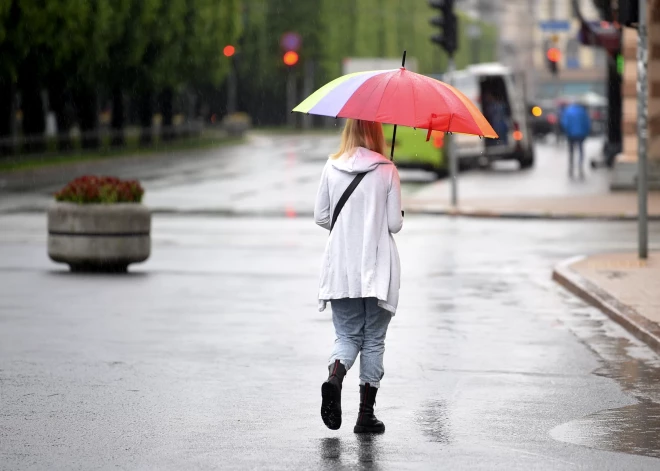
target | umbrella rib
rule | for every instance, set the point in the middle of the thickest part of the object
(383, 95)
(414, 104)
(444, 101)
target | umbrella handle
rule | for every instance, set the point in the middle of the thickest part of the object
(403, 64)
(393, 139)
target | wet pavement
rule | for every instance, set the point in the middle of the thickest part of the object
(275, 175)
(547, 179)
(211, 354)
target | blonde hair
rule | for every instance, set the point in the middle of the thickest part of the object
(358, 133)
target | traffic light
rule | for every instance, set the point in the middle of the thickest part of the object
(290, 58)
(629, 12)
(229, 50)
(447, 22)
(553, 55)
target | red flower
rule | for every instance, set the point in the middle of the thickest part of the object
(101, 189)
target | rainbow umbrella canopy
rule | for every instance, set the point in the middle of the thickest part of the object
(399, 97)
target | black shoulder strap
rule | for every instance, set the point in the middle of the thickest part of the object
(347, 193)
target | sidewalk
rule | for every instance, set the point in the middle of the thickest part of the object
(544, 191)
(615, 205)
(622, 286)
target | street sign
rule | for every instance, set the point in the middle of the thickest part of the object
(555, 25)
(291, 41)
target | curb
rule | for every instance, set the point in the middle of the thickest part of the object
(204, 212)
(476, 214)
(638, 325)
(486, 214)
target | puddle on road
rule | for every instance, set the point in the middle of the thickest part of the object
(633, 429)
(433, 420)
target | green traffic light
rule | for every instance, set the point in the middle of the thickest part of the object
(619, 64)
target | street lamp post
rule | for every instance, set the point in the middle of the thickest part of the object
(642, 132)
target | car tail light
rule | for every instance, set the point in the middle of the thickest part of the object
(517, 133)
(552, 118)
(438, 139)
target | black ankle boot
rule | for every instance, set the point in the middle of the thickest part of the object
(367, 421)
(331, 393)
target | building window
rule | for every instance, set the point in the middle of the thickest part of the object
(572, 54)
(600, 57)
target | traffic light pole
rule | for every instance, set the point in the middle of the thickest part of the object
(231, 87)
(291, 97)
(642, 132)
(449, 148)
(447, 39)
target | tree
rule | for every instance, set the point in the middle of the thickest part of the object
(13, 49)
(135, 22)
(208, 27)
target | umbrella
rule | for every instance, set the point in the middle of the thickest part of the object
(399, 97)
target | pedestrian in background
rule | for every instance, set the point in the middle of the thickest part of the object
(576, 124)
(495, 111)
(360, 272)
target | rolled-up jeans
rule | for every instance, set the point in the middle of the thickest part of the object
(360, 327)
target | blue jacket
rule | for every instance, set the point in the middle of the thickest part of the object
(575, 121)
(496, 115)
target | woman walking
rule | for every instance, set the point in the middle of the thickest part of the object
(359, 202)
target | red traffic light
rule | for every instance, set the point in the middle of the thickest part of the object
(554, 54)
(229, 50)
(290, 58)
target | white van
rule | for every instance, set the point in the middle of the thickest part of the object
(479, 83)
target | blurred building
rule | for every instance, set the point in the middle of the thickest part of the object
(517, 48)
(523, 41)
(625, 170)
(581, 69)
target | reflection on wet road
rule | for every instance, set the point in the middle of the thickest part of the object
(213, 352)
(630, 429)
(211, 355)
(634, 428)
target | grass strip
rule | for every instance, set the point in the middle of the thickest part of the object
(132, 148)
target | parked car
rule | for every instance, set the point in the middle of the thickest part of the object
(495, 80)
(541, 124)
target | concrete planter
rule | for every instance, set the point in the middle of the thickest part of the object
(236, 125)
(99, 237)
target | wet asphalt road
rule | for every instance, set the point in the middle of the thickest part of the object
(211, 354)
(277, 175)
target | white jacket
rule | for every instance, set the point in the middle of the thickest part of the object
(361, 259)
